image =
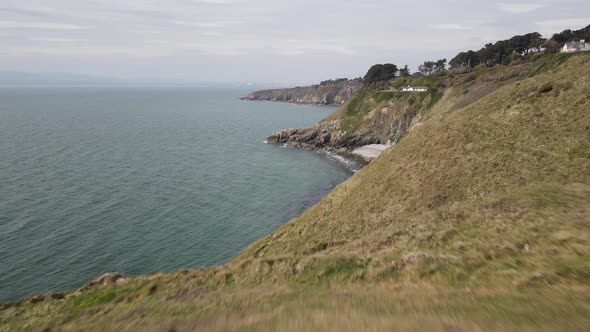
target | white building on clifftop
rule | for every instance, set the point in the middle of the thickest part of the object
(575, 47)
(413, 88)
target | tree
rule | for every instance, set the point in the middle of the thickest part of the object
(552, 46)
(563, 36)
(427, 67)
(380, 72)
(569, 35)
(472, 59)
(465, 59)
(503, 51)
(404, 72)
(458, 60)
(430, 67)
(440, 65)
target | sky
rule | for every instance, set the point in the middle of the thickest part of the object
(262, 41)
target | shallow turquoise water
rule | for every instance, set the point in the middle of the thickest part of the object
(143, 180)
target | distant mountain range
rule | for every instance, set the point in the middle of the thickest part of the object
(12, 78)
(22, 79)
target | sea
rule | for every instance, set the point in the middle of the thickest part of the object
(141, 180)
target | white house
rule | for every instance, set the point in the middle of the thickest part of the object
(576, 47)
(413, 88)
(536, 49)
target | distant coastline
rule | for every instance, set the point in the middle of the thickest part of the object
(327, 93)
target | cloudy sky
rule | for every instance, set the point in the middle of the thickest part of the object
(282, 41)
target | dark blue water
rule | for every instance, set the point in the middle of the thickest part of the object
(143, 180)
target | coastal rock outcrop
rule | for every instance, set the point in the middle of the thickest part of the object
(331, 92)
(106, 279)
(370, 117)
(324, 135)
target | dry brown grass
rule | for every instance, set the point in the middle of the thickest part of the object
(508, 140)
(384, 306)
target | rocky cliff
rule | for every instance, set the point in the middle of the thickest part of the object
(331, 92)
(370, 117)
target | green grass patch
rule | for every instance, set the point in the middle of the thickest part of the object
(329, 269)
(358, 106)
(435, 96)
(382, 96)
(552, 61)
(98, 297)
(355, 105)
(579, 151)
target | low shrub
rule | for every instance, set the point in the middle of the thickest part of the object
(469, 78)
(547, 87)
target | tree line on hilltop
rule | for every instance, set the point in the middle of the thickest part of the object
(387, 72)
(502, 52)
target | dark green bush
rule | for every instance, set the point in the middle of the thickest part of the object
(469, 78)
(546, 87)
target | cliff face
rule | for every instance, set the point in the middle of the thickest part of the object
(371, 117)
(333, 92)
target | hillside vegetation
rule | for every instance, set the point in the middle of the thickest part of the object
(477, 219)
(376, 114)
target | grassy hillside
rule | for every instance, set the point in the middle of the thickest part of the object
(378, 115)
(478, 219)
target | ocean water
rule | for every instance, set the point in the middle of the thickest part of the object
(95, 180)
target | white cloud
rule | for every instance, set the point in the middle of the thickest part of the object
(211, 33)
(148, 31)
(39, 25)
(551, 26)
(210, 24)
(54, 40)
(216, 2)
(299, 47)
(520, 8)
(217, 49)
(89, 52)
(321, 38)
(449, 26)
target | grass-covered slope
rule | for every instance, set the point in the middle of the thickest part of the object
(478, 219)
(518, 136)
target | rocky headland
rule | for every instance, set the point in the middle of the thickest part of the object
(390, 116)
(323, 136)
(330, 92)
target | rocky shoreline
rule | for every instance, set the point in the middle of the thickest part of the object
(323, 136)
(371, 151)
(327, 136)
